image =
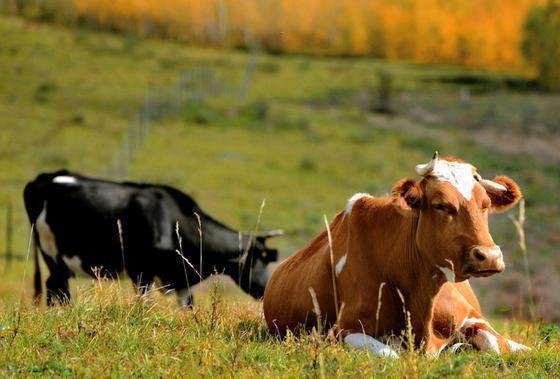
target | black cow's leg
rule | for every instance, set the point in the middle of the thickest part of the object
(184, 298)
(58, 291)
(143, 284)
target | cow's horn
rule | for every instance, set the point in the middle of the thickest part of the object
(272, 233)
(492, 186)
(425, 169)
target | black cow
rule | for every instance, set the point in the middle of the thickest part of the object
(99, 227)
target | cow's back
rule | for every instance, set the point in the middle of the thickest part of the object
(82, 215)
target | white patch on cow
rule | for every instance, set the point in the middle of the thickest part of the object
(46, 236)
(353, 200)
(441, 349)
(361, 340)
(460, 175)
(340, 265)
(483, 339)
(65, 179)
(456, 347)
(74, 264)
(514, 346)
(486, 341)
(448, 272)
(183, 297)
(469, 321)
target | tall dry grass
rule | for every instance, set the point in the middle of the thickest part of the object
(519, 224)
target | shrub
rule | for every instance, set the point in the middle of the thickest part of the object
(385, 84)
(541, 43)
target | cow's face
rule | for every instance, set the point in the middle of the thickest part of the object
(254, 274)
(452, 203)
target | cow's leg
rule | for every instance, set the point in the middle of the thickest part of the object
(143, 284)
(184, 297)
(435, 345)
(58, 291)
(363, 341)
(144, 288)
(484, 337)
(457, 315)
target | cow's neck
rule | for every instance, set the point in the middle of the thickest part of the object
(418, 281)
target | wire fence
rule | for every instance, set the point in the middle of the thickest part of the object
(193, 85)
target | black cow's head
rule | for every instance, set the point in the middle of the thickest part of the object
(253, 273)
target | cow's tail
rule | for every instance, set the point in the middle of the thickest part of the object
(37, 282)
(34, 205)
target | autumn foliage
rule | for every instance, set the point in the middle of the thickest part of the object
(541, 43)
(480, 33)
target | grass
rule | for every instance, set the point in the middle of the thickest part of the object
(68, 96)
(109, 332)
(303, 139)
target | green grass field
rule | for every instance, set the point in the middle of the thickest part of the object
(303, 140)
(109, 333)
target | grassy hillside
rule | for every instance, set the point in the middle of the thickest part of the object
(304, 138)
(108, 333)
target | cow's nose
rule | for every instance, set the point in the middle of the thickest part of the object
(487, 259)
(478, 255)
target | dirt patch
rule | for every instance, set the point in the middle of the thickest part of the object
(545, 149)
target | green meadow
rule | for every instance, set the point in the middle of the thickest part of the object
(301, 140)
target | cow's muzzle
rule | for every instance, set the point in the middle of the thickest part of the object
(484, 261)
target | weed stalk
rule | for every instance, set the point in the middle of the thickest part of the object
(519, 224)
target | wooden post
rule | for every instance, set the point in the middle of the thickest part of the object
(9, 232)
(249, 70)
(132, 143)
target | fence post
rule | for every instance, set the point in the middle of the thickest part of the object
(132, 143)
(249, 70)
(9, 231)
(193, 85)
(123, 159)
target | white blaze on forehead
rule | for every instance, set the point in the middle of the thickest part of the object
(361, 340)
(340, 265)
(74, 264)
(47, 240)
(65, 179)
(353, 200)
(459, 175)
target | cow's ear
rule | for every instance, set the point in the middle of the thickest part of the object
(407, 195)
(504, 200)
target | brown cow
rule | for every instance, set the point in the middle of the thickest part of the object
(390, 258)
(457, 315)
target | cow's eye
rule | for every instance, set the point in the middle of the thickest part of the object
(440, 207)
(444, 208)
